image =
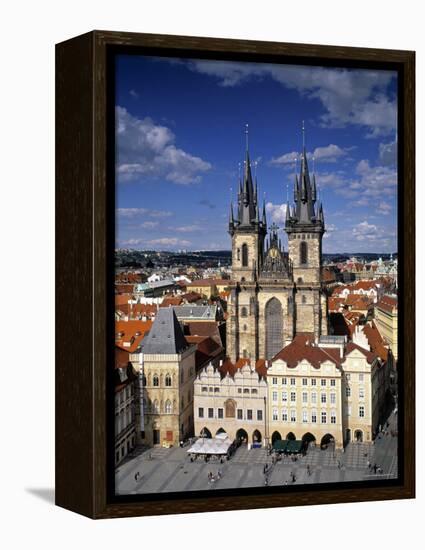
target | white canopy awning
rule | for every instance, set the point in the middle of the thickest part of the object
(211, 446)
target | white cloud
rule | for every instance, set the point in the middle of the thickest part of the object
(388, 153)
(169, 241)
(147, 149)
(330, 153)
(187, 228)
(277, 212)
(149, 225)
(348, 96)
(286, 158)
(384, 208)
(131, 213)
(134, 94)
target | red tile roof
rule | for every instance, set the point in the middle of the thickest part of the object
(370, 356)
(302, 347)
(231, 368)
(375, 340)
(131, 333)
(171, 301)
(388, 303)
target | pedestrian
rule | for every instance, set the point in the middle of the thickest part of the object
(136, 477)
(308, 470)
(368, 464)
(375, 468)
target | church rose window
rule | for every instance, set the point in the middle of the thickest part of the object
(274, 328)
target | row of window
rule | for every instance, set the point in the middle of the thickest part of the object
(304, 397)
(291, 416)
(292, 381)
(156, 380)
(206, 389)
(350, 376)
(249, 413)
(124, 394)
(348, 392)
(123, 419)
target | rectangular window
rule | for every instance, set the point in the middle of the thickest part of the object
(323, 417)
(274, 381)
(293, 396)
(333, 382)
(304, 381)
(246, 390)
(305, 397)
(347, 376)
(292, 381)
(333, 398)
(220, 413)
(249, 414)
(347, 391)
(361, 393)
(204, 388)
(254, 390)
(305, 416)
(240, 414)
(313, 381)
(361, 411)
(260, 415)
(284, 381)
(284, 415)
(216, 390)
(323, 397)
(274, 396)
(275, 416)
(361, 377)
(333, 417)
(239, 390)
(201, 412)
(314, 397)
(313, 417)
(293, 415)
(323, 382)
(210, 413)
(284, 396)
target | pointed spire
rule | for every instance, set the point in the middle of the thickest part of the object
(288, 213)
(313, 189)
(264, 213)
(231, 218)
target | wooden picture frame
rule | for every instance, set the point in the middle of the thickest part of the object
(84, 220)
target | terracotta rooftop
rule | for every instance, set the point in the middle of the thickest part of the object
(302, 347)
(388, 303)
(231, 368)
(129, 334)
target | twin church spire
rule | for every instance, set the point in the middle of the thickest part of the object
(305, 212)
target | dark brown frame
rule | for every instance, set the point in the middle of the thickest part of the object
(81, 272)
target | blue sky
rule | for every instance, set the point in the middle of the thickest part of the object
(180, 128)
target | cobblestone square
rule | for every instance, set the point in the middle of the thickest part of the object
(170, 470)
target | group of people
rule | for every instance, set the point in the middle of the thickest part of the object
(374, 467)
(212, 478)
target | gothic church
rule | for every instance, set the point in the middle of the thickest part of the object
(275, 295)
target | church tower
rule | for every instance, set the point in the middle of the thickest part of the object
(305, 227)
(247, 230)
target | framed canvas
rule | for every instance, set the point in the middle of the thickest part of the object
(235, 236)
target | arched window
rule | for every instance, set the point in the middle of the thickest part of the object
(274, 327)
(168, 380)
(168, 409)
(155, 380)
(303, 299)
(244, 312)
(156, 406)
(245, 255)
(303, 253)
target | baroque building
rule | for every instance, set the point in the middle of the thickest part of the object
(275, 294)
